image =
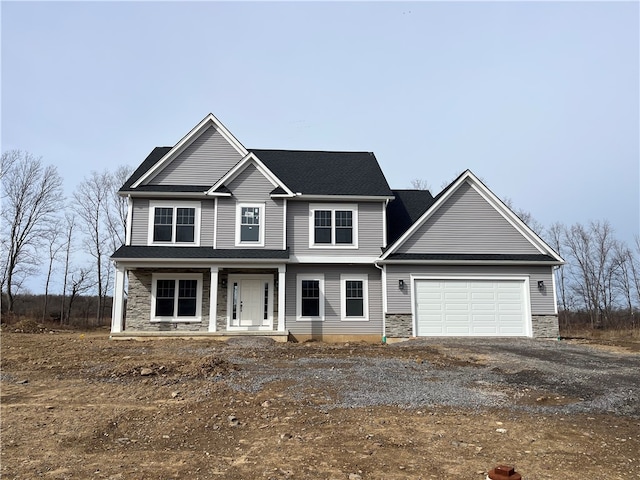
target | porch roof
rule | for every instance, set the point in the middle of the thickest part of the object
(138, 252)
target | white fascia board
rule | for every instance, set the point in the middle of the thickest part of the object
(149, 194)
(466, 262)
(332, 259)
(342, 198)
(239, 167)
(185, 141)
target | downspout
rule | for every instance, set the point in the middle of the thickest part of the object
(383, 274)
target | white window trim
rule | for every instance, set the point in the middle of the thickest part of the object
(176, 276)
(237, 278)
(333, 207)
(365, 297)
(299, 279)
(175, 205)
(260, 242)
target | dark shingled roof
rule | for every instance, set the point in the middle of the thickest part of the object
(136, 252)
(490, 257)
(155, 155)
(405, 210)
(327, 173)
(307, 172)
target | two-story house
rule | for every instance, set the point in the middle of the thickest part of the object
(223, 240)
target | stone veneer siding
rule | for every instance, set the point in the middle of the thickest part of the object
(401, 326)
(398, 325)
(138, 317)
(545, 326)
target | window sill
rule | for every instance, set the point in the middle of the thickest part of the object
(329, 246)
(176, 320)
(309, 319)
(354, 319)
(173, 244)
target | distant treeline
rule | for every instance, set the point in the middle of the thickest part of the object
(83, 311)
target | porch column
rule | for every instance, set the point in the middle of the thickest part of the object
(213, 299)
(118, 300)
(281, 289)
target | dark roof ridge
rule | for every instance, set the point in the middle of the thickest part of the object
(307, 151)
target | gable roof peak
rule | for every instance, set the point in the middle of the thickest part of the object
(187, 140)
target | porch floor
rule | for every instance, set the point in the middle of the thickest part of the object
(222, 336)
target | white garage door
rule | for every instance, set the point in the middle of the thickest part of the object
(471, 308)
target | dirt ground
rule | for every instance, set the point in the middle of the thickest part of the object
(78, 405)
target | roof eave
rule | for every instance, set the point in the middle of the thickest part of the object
(150, 193)
(467, 262)
(212, 260)
(377, 198)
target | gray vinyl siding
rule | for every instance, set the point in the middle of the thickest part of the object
(399, 301)
(332, 324)
(370, 231)
(203, 162)
(250, 186)
(140, 221)
(206, 223)
(467, 223)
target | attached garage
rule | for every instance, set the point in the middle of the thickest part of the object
(491, 307)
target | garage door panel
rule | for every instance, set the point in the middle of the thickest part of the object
(488, 296)
(471, 308)
(453, 307)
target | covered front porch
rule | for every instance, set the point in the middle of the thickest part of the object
(218, 301)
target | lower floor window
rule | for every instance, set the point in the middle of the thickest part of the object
(310, 298)
(177, 298)
(354, 297)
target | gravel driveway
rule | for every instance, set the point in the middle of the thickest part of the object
(522, 374)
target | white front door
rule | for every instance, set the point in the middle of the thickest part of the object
(252, 299)
(250, 302)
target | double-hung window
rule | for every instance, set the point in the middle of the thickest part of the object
(250, 224)
(310, 297)
(333, 226)
(174, 223)
(354, 298)
(176, 297)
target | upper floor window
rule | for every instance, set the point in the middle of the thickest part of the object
(333, 226)
(174, 222)
(250, 224)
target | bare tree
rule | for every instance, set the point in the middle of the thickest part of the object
(420, 184)
(80, 284)
(525, 216)
(70, 223)
(91, 199)
(117, 208)
(594, 266)
(556, 238)
(53, 239)
(31, 197)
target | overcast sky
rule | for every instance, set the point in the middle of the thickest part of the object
(540, 99)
